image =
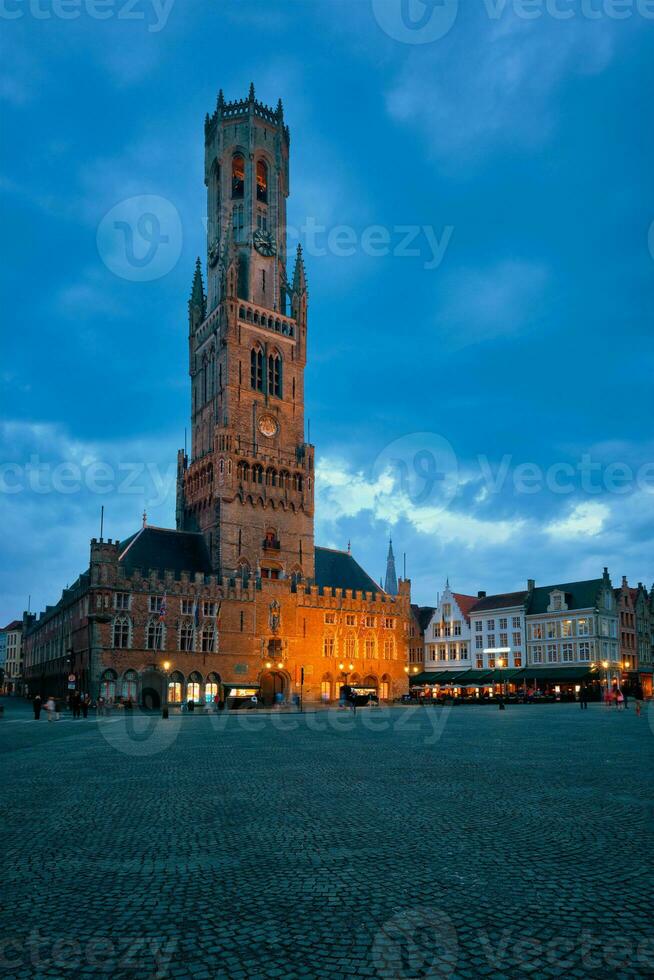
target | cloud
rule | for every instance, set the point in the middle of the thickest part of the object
(584, 519)
(484, 303)
(509, 96)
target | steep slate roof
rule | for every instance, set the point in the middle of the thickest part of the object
(503, 601)
(423, 615)
(339, 570)
(578, 595)
(164, 549)
(15, 624)
(465, 603)
(186, 551)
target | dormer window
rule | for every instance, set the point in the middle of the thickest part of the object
(557, 602)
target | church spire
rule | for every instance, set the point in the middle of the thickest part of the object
(299, 273)
(390, 583)
(198, 297)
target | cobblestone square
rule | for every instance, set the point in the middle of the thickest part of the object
(414, 842)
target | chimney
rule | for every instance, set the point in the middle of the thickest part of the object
(531, 584)
(481, 595)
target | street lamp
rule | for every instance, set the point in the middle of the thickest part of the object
(166, 667)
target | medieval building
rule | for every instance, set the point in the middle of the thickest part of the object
(237, 599)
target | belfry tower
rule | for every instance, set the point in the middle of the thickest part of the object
(248, 485)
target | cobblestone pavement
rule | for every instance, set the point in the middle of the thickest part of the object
(403, 843)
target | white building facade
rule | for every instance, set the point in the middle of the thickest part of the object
(447, 636)
(497, 628)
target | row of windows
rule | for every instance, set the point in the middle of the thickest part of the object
(388, 622)
(449, 651)
(553, 653)
(351, 648)
(179, 689)
(238, 179)
(156, 632)
(187, 607)
(552, 629)
(480, 643)
(447, 629)
(503, 624)
(270, 477)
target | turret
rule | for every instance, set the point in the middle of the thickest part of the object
(197, 304)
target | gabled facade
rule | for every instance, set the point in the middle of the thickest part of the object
(11, 645)
(448, 636)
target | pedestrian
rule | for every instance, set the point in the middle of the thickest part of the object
(583, 697)
(50, 708)
(626, 699)
(85, 704)
(37, 704)
(619, 699)
(100, 706)
(638, 697)
(77, 700)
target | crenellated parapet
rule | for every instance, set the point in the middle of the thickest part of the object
(242, 108)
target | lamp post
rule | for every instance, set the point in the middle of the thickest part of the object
(166, 667)
(500, 665)
(605, 665)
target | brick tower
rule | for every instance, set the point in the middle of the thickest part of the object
(248, 485)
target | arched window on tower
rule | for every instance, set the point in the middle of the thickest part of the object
(262, 182)
(275, 375)
(238, 176)
(256, 368)
(237, 222)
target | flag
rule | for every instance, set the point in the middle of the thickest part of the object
(163, 608)
(218, 625)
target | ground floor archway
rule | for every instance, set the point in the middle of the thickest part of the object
(274, 684)
(152, 689)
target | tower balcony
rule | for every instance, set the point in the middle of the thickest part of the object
(259, 316)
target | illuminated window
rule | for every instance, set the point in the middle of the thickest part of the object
(370, 649)
(193, 688)
(262, 182)
(238, 175)
(108, 685)
(330, 617)
(350, 650)
(175, 685)
(328, 646)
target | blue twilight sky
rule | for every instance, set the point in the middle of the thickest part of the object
(515, 150)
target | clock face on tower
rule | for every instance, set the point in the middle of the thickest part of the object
(268, 426)
(264, 242)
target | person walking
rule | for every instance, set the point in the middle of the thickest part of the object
(583, 697)
(100, 707)
(37, 704)
(50, 708)
(638, 698)
(619, 699)
(76, 704)
(86, 704)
